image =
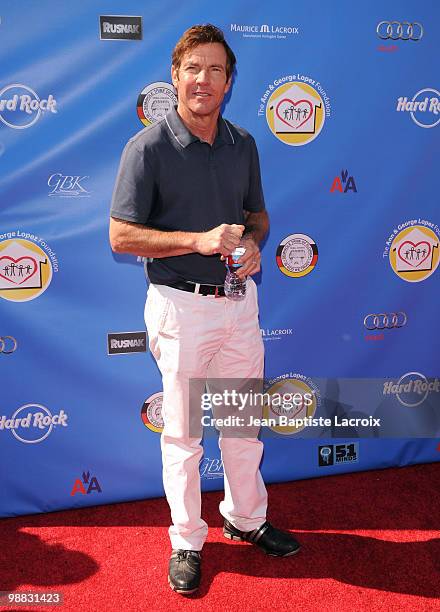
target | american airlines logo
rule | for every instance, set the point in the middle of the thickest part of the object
(120, 27)
(126, 342)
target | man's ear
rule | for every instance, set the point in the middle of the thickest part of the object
(228, 84)
(174, 75)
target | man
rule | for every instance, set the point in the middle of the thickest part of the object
(188, 192)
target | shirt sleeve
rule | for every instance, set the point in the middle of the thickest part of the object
(254, 201)
(135, 188)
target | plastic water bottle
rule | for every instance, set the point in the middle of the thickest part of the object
(235, 287)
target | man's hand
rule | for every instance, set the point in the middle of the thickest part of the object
(222, 239)
(250, 261)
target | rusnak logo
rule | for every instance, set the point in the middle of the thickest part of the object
(32, 423)
(120, 27)
(21, 107)
(126, 342)
(86, 486)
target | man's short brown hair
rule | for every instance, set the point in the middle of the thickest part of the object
(201, 35)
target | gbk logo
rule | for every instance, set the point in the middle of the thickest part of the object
(338, 453)
(344, 183)
(86, 486)
(65, 186)
(211, 468)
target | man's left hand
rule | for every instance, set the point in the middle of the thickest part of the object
(251, 260)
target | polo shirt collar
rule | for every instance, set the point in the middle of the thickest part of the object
(184, 137)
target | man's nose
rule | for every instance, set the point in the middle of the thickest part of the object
(202, 76)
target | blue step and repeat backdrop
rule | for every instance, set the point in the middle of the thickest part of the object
(344, 103)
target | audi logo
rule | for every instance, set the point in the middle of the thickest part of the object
(385, 320)
(8, 345)
(403, 30)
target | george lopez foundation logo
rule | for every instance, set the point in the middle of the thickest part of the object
(424, 108)
(26, 266)
(290, 398)
(85, 486)
(120, 27)
(21, 107)
(295, 107)
(413, 249)
(33, 423)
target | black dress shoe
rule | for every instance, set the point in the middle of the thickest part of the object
(272, 541)
(184, 571)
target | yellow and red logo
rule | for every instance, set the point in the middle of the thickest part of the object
(414, 253)
(25, 270)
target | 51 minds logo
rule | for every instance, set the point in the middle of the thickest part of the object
(295, 107)
(27, 264)
(413, 250)
(21, 107)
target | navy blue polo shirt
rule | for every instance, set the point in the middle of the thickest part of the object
(170, 180)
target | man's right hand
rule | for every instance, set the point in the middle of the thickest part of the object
(222, 239)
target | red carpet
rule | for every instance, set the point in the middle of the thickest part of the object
(371, 541)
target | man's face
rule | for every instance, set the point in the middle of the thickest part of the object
(201, 81)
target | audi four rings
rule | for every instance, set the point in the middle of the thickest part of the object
(403, 30)
(385, 320)
(8, 345)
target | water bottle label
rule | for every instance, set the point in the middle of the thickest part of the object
(232, 259)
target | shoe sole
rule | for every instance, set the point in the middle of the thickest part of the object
(231, 536)
(181, 591)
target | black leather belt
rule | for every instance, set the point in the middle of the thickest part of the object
(217, 290)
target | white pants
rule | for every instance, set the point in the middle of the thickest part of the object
(196, 336)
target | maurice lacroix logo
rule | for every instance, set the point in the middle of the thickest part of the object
(269, 333)
(265, 30)
(33, 423)
(120, 27)
(21, 106)
(126, 342)
(68, 186)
